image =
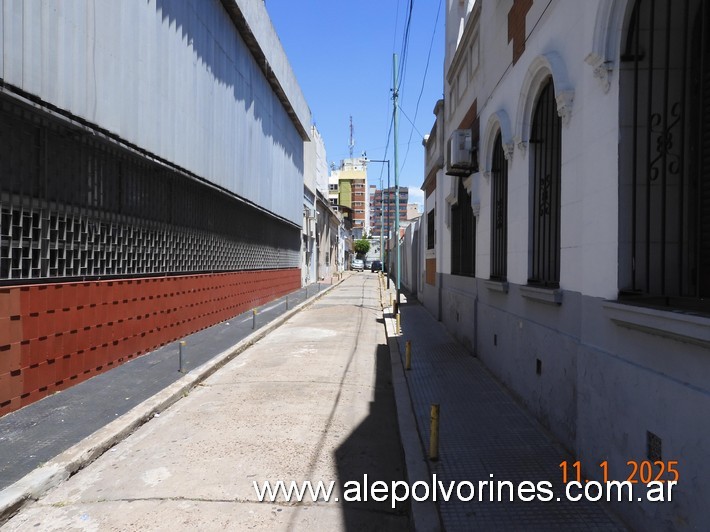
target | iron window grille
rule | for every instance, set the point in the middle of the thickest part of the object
(545, 141)
(430, 230)
(664, 185)
(499, 213)
(463, 235)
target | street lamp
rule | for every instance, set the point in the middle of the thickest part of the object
(382, 211)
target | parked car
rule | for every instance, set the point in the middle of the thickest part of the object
(357, 265)
(368, 263)
(376, 266)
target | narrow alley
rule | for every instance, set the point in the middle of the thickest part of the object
(311, 401)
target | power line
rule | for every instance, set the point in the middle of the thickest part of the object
(405, 45)
(403, 53)
(396, 21)
(387, 146)
(414, 128)
(421, 90)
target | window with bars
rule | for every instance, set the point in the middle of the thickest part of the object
(546, 163)
(463, 235)
(430, 230)
(499, 212)
(664, 174)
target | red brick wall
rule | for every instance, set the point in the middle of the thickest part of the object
(431, 184)
(431, 271)
(53, 336)
(516, 26)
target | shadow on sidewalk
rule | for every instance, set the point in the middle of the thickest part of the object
(373, 453)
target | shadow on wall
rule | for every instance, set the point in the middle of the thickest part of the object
(211, 34)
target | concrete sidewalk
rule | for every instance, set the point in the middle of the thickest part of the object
(34, 435)
(484, 435)
(312, 400)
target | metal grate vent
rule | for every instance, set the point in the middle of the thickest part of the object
(76, 205)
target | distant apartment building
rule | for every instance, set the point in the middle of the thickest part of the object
(348, 192)
(383, 209)
(413, 211)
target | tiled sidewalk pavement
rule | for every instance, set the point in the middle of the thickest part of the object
(484, 431)
(40, 431)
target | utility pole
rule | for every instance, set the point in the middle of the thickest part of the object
(382, 224)
(395, 98)
(383, 256)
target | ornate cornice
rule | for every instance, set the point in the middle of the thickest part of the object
(565, 99)
(602, 69)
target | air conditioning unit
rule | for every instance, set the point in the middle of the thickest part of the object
(462, 155)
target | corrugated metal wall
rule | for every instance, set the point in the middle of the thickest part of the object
(173, 77)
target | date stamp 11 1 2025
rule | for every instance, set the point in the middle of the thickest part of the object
(645, 471)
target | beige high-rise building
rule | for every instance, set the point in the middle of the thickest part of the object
(348, 187)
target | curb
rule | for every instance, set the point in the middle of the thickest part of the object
(425, 515)
(49, 475)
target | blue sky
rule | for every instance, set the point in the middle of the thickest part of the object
(341, 52)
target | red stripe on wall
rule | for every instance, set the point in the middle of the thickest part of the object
(53, 336)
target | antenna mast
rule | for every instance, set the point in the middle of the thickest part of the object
(351, 144)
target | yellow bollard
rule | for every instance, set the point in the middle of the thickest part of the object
(408, 355)
(434, 435)
(399, 324)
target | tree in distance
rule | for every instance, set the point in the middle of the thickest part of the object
(361, 247)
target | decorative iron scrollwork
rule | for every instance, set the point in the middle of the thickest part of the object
(499, 213)
(545, 186)
(665, 143)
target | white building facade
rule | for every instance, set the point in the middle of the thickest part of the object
(568, 249)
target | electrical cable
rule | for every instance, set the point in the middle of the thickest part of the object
(421, 90)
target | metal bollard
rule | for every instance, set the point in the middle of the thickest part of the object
(286, 301)
(181, 344)
(434, 434)
(253, 319)
(408, 355)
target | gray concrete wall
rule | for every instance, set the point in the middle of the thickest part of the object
(514, 332)
(429, 297)
(603, 384)
(632, 382)
(510, 333)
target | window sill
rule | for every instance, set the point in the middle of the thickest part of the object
(666, 323)
(497, 286)
(542, 295)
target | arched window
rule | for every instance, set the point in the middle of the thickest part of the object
(664, 174)
(499, 212)
(545, 143)
(463, 234)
